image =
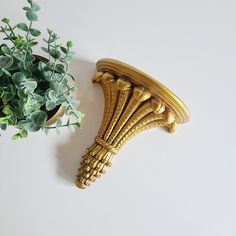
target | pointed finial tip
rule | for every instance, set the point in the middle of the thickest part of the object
(79, 184)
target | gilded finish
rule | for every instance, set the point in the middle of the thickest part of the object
(134, 102)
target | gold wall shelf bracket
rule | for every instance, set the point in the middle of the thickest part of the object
(134, 102)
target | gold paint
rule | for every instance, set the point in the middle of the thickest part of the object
(134, 102)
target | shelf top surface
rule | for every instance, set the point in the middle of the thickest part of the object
(156, 88)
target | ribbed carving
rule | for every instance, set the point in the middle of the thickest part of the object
(129, 109)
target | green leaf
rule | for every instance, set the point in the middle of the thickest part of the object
(50, 105)
(45, 40)
(4, 119)
(6, 72)
(1, 92)
(29, 58)
(35, 32)
(5, 20)
(21, 93)
(40, 99)
(71, 53)
(48, 75)
(8, 96)
(69, 58)
(63, 49)
(58, 76)
(28, 90)
(43, 67)
(23, 84)
(20, 124)
(29, 108)
(64, 81)
(78, 124)
(30, 2)
(78, 115)
(62, 99)
(51, 40)
(45, 49)
(14, 102)
(18, 78)
(52, 94)
(6, 61)
(49, 31)
(75, 103)
(16, 137)
(55, 53)
(31, 126)
(60, 68)
(69, 44)
(36, 121)
(32, 43)
(30, 100)
(59, 122)
(11, 89)
(19, 56)
(11, 120)
(3, 126)
(18, 112)
(21, 65)
(39, 117)
(35, 7)
(46, 131)
(69, 111)
(6, 50)
(23, 133)
(31, 16)
(27, 8)
(22, 26)
(54, 85)
(73, 89)
(7, 110)
(9, 93)
(30, 84)
(19, 41)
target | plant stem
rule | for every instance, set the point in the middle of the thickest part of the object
(49, 56)
(11, 30)
(8, 36)
(54, 65)
(60, 126)
(27, 46)
(67, 69)
(63, 93)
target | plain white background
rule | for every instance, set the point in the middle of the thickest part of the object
(180, 184)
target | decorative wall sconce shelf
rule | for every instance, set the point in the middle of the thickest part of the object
(134, 102)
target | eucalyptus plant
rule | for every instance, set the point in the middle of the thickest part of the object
(32, 86)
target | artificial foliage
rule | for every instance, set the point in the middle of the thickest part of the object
(31, 86)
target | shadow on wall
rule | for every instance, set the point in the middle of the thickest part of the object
(70, 152)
